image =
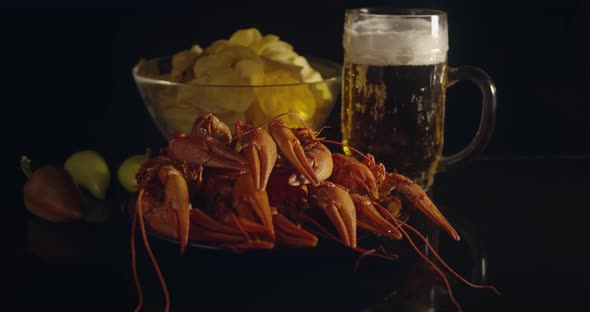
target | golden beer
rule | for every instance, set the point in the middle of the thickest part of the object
(396, 113)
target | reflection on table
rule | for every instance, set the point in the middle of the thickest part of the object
(491, 203)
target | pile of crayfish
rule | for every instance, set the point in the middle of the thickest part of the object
(257, 188)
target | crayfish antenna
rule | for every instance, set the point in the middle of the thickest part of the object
(400, 224)
(364, 252)
(425, 258)
(149, 250)
(445, 265)
(134, 263)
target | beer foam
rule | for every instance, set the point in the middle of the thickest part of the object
(395, 41)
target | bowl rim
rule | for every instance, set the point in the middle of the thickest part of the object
(311, 59)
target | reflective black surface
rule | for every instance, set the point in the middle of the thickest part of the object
(68, 87)
(520, 217)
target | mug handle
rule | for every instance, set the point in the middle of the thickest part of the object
(488, 115)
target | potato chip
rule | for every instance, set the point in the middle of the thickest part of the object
(272, 101)
(309, 74)
(275, 100)
(216, 46)
(275, 71)
(252, 70)
(247, 58)
(321, 91)
(246, 37)
(225, 64)
(182, 63)
(276, 46)
(197, 49)
(263, 43)
(228, 65)
(216, 99)
(279, 51)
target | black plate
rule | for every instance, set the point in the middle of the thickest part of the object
(294, 279)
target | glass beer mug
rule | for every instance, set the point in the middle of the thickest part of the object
(395, 76)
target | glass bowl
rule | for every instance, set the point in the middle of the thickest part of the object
(174, 106)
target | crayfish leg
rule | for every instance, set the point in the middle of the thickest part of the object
(354, 175)
(252, 204)
(205, 228)
(289, 234)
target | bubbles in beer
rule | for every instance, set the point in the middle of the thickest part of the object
(396, 113)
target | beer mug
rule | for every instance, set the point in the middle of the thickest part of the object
(395, 76)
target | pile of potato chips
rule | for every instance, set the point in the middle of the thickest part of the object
(219, 80)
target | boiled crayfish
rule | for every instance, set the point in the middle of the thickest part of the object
(255, 188)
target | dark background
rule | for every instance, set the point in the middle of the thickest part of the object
(67, 86)
(67, 72)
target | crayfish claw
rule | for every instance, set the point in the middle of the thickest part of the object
(169, 216)
(206, 151)
(177, 199)
(291, 148)
(416, 195)
(338, 206)
(260, 151)
(368, 218)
